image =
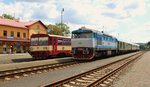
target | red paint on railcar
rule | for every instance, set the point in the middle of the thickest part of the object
(52, 46)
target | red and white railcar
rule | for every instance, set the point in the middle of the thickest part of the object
(45, 45)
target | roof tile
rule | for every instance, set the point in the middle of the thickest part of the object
(14, 23)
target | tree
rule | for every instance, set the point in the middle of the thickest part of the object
(64, 28)
(148, 44)
(53, 29)
(59, 29)
(7, 16)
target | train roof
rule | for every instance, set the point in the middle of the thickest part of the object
(129, 43)
(38, 35)
(57, 36)
(87, 30)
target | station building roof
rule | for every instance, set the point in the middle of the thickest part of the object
(17, 23)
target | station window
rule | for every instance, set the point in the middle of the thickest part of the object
(12, 33)
(37, 27)
(18, 34)
(5, 33)
(24, 35)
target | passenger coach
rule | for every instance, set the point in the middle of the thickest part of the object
(45, 45)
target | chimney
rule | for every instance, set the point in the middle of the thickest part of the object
(17, 20)
(2, 17)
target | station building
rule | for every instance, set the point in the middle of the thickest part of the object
(15, 35)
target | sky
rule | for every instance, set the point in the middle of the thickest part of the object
(128, 20)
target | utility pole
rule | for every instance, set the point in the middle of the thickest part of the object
(62, 17)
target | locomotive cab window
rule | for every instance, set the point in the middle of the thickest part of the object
(82, 35)
(75, 35)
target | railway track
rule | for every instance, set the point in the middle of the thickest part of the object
(23, 72)
(99, 77)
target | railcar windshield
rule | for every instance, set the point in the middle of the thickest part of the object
(34, 41)
(39, 41)
(82, 35)
(43, 40)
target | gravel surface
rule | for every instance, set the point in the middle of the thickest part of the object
(138, 75)
(15, 58)
(10, 66)
(50, 77)
(19, 58)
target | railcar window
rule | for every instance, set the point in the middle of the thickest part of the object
(43, 40)
(34, 41)
(59, 41)
(67, 42)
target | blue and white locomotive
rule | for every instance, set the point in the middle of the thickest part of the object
(88, 43)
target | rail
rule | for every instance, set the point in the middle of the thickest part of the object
(96, 77)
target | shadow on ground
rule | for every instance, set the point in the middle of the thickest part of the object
(23, 60)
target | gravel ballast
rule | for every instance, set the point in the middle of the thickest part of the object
(50, 77)
(138, 75)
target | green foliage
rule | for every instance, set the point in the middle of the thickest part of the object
(148, 43)
(59, 29)
(7, 16)
(144, 46)
(52, 29)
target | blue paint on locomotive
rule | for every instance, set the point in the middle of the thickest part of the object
(81, 30)
(108, 47)
(109, 41)
(102, 40)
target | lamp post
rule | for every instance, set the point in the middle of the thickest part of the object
(62, 17)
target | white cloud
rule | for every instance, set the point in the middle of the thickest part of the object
(137, 34)
(90, 13)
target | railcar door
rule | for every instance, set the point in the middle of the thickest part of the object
(54, 45)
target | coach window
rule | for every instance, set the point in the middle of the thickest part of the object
(59, 41)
